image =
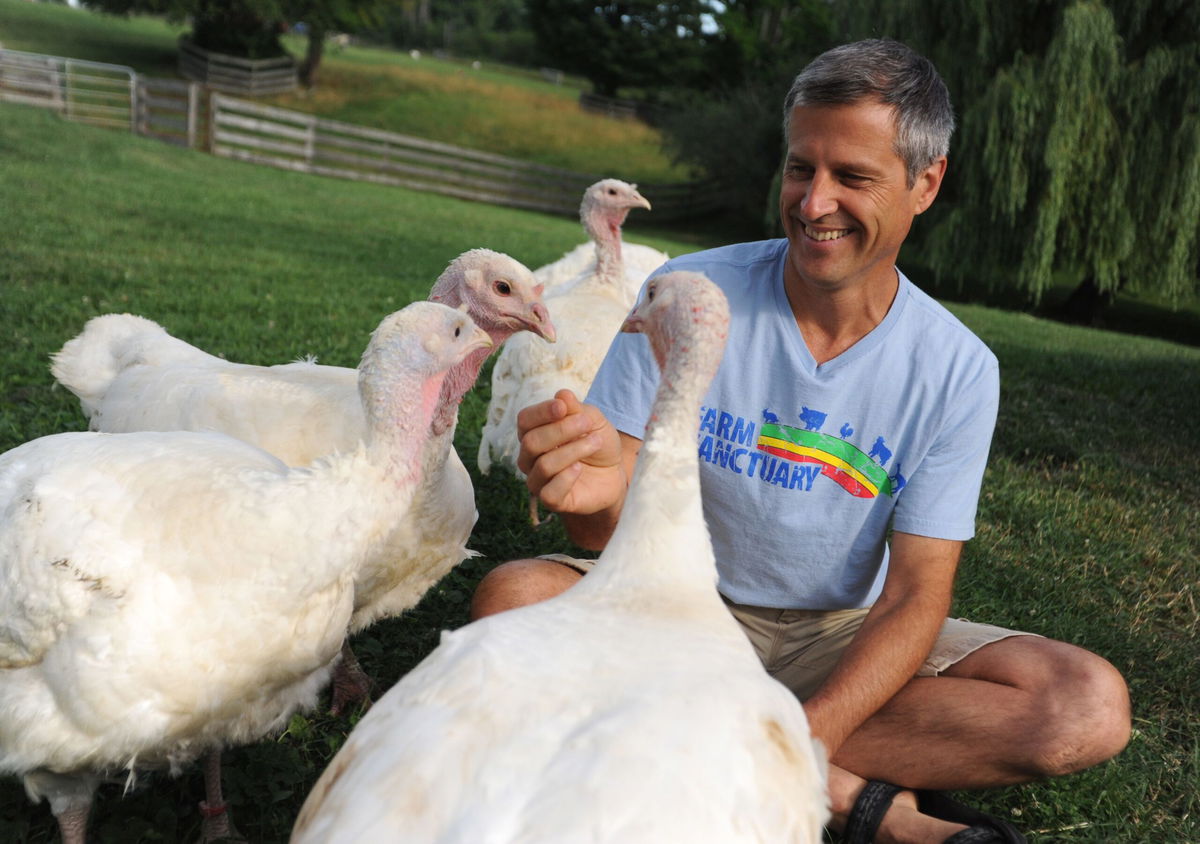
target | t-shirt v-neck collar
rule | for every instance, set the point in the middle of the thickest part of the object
(864, 345)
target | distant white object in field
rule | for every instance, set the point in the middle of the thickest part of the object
(631, 708)
(168, 594)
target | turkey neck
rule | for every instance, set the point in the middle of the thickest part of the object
(605, 230)
(458, 382)
(660, 548)
(669, 447)
(462, 376)
(400, 407)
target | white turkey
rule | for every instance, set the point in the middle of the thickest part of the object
(167, 594)
(131, 375)
(602, 211)
(587, 313)
(630, 708)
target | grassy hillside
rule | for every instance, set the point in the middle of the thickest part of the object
(487, 110)
(145, 44)
(1089, 525)
(492, 108)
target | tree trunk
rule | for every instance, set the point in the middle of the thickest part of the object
(312, 59)
(1086, 304)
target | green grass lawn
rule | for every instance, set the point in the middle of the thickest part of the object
(143, 43)
(493, 108)
(1089, 519)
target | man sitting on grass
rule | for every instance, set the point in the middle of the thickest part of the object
(848, 403)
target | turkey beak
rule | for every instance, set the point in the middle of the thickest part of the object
(480, 340)
(540, 323)
(633, 323)
(640, 201)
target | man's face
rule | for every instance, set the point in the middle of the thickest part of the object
(845, 203)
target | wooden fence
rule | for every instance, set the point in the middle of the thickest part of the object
(103, 94)
(233, 75)
(169, 110)
(631, 109)
(174, 111)
(303, 142)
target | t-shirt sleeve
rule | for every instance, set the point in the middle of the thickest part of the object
(624, 386)
(941, 498)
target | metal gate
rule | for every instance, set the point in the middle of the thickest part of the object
(92, 92)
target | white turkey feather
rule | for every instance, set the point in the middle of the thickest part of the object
(131, 375)
(167, 593)
(630, 708)
(640, 260)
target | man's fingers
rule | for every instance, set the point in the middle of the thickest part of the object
(569, 400)
(554, 494)
(542, 470)
(560, 430)
(537, 415)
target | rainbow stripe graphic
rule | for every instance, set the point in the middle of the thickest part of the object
(840, 461)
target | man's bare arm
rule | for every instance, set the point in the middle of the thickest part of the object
(894, 640)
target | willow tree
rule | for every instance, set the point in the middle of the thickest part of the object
(1078, 152)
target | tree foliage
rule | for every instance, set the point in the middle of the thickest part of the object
(496, 29)
(246, 28)
(251, 28)
(322, 17)
(1079, 144)
(635, 43)
(730, 125)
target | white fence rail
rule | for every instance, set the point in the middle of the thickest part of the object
(303, 142)
(93, 92)
(174, 111)
(169, 109)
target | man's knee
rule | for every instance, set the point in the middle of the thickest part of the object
(1080, 705)
(1076, 711)
(518, 583)
(1093, 719)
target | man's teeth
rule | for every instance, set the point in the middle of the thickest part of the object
(833, 235)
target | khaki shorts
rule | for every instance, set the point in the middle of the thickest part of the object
(799, 648)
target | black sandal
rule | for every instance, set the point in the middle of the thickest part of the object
(981, 827)
(867, 814)
(876, 798)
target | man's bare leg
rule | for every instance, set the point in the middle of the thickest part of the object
(1016, 710)
(520, 582)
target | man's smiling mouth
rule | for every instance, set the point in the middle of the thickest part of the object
(825, 235)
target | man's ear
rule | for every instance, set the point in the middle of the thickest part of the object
(927, 185)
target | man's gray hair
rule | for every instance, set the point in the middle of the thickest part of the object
(893, 74)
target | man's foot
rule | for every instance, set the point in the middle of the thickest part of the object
(887, 814)
(981, 827)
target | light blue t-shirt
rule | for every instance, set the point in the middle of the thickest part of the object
(803, 466)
